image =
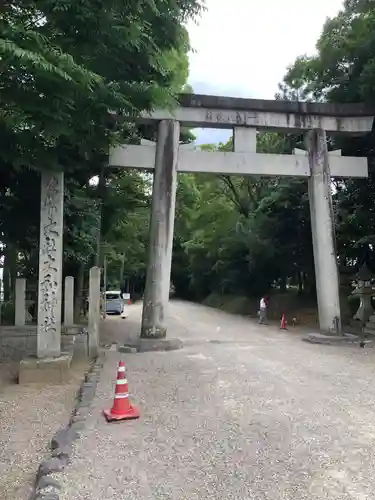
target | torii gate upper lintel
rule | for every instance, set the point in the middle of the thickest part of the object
(245, 116)
(207, 111)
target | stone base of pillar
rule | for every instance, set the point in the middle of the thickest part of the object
(146, 345)
(45, 371)
(153, 332)
(319, 338)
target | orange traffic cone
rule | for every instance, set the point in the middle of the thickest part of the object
(283, 323)
(122, 408)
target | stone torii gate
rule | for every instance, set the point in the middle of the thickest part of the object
(245, 116)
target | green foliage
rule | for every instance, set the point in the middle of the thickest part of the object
(243, 235)
(344, 71)
(232, 304)
(125, 225)
(65, 66)
(240, 235)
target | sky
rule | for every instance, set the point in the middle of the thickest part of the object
(242, 48)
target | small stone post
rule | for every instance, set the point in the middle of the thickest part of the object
(323, 233)
(20, 302)
(69, 301)
(156, 295)
(50, 264)
(94, 311)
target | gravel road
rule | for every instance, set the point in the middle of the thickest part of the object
(29, 417)
(242, 412)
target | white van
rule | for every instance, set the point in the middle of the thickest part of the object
(114, 303)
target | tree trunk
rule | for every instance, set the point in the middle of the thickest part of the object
(300, 282)
(283, 284)
(78, 296)
(6, 277)
(9, 272)
(309, 284)
(100, 194)
(122, 268)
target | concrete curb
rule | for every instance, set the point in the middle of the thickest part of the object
(61, 445)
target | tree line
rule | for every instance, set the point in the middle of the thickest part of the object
(64, 66)
(245, 236)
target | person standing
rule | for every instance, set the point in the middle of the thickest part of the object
(263, 310)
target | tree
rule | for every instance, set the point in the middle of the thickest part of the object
(344, 71)
(64, 66)
(241, 234)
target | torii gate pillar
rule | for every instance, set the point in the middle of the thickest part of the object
(323, 233)
(156, 295)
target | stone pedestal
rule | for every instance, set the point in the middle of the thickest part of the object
(146, 345)
(323, 233)
(69, 301)
(156, 294)
(319, 338)
(45, 371)
(364, 291)
(50, 264)
(365, 309)
(20, 302)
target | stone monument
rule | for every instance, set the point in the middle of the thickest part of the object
(50, 365)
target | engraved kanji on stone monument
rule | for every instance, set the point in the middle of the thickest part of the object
(50, 264)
